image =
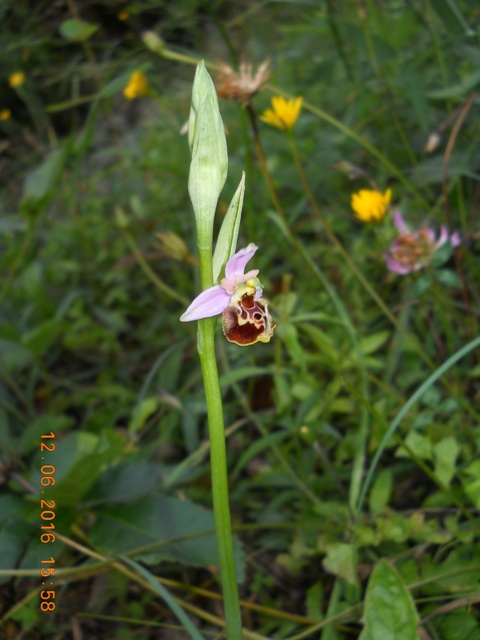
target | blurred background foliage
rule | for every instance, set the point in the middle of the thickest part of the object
(98, 261)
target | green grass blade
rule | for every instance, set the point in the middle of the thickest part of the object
(429, 382)
(166, 596)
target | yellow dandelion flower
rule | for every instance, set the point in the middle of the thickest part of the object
(284, 113)
(370, 205)
(122, 15)
(16, 79)
(5, 114)
(137, 86)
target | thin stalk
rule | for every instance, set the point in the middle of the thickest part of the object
(392, 109)
(287, 467)
(328, 633)
(169, 54)
(86, 46)
(336, 242)
(218, 457)
(351, 133)
(362, 434)
(161, 286)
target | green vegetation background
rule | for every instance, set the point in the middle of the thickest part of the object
(91, 349)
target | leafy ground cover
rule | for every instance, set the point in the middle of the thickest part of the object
(353, 435)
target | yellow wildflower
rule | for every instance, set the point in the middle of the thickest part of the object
(284, 113)
(5, 114)
(371, 205)
(137, 86)
(16, 79)
(122, 15)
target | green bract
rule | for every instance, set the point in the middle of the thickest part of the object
(228, 234)
(208, 169)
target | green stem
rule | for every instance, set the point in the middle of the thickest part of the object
(337, 302)
(161, 286)
(351, 133)
(388, 95)
(287, 467)
(336, 242)
(218, 458)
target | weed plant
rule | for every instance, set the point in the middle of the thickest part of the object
(352, 436)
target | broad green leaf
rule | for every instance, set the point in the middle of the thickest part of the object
(127, 481)
(13, 539)
(459, 625)
(423, 284)
(141, 414)
(79, 459)
(288, 332)
(41, 182)
(36, 550)
(26, 615)
(161, 520)
(472, 487)
(228, 234)
(44, 424)
(445, 455)
(420, 445)
(389, 613)
(372, 343)
(381, 491)
(448, 278)
(11, 508)
(39, 339)
(76, 30)
(14, 355)
(340, 561)
(394, 528)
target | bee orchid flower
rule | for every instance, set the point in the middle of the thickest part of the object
(238, 298)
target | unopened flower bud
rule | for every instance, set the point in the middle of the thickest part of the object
(173, 246)
(153, 42)
(122, 219)
(433, 141)
(208, 146)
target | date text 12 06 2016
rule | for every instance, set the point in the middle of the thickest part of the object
(47, 528)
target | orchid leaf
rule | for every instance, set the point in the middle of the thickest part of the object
(228, 234)
(208, 146)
